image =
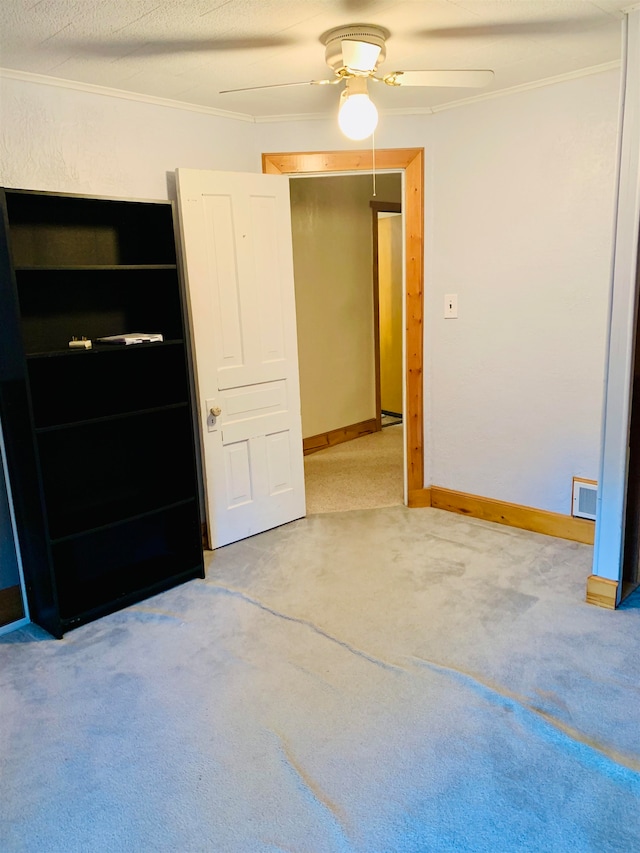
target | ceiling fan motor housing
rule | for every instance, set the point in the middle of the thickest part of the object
(368, 33)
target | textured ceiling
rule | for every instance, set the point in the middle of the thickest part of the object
(188, 50)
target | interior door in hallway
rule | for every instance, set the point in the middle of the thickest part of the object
(390, 292)
(236, 237)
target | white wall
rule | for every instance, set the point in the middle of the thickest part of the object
(64, 140)
(518, 222)
(523, 197)
(393, 132)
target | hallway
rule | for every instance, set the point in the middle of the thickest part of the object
(365, 473)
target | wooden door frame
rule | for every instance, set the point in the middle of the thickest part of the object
(410, 161)
(376, 208)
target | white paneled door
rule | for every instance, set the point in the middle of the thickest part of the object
(236, 237)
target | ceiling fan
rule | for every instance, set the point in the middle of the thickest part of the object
(353, 53)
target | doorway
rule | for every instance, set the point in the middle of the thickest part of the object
(338, 344)
(388, 289)
(335, 271)
(409, 161)
(631, 552)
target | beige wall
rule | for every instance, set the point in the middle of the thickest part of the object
(390, 304)
(332, 255)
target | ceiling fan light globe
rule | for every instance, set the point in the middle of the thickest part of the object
(357, 116)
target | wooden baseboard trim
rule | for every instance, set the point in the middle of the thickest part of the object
(419, 498)
(336, 436)
(515, 515)
(602, 592)
(11, 606)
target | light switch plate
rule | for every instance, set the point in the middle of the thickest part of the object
(451, 306)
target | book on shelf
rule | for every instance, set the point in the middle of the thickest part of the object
(130, 338)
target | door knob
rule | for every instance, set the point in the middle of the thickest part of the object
(216, 411)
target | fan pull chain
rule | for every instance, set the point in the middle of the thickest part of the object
(373, 161)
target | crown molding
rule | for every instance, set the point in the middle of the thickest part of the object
(536, 84)
(92, 89)
(42, 79)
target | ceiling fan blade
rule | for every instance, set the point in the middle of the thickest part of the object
(359, 55)
(462, 79)
(543, 26)
(164, 46)
(282, 86)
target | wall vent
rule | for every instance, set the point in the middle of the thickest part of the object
(585, 494)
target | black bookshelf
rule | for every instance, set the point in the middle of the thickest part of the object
(99, 442)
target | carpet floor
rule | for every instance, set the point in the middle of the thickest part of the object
(365, 473)
(375, 681)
